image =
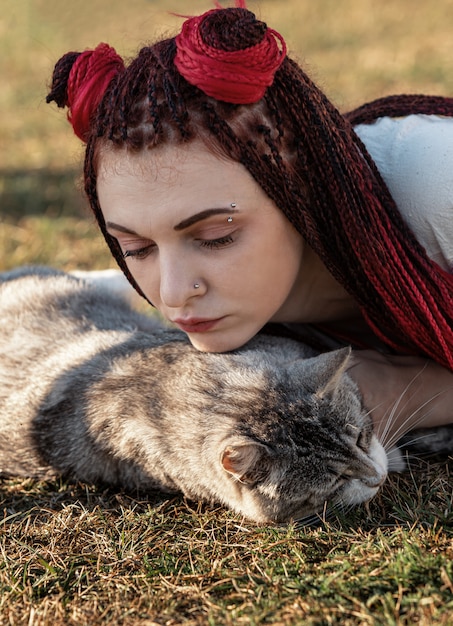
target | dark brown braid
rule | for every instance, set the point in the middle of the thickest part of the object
(58, 93)
(399, 106)
(307, 158)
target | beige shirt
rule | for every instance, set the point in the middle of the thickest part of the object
(415, 157)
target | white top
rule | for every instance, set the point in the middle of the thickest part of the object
(414, 155)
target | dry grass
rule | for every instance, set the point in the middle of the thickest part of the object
(81, 555)
(76, 555)
(67, 243)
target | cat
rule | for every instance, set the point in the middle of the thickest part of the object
(92, 390)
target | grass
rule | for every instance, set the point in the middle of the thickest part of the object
(73, 554)
(66, 242)
(78, 555)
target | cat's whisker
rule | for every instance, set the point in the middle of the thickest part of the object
(328, 512)
(410, 457)
(402, 429)
(413, 441)
(390, 418)
(387, 422)
(393, 412)
(310, 520)
(347, 508)
(409, 423)
(390, 413)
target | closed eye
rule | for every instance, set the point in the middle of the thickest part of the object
(364, 439)
(215, 244)
(337, 478)
(139, 253)
(211, 244)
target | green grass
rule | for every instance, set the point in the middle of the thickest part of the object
(73, 554)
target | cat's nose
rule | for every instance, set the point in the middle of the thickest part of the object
(376, 481)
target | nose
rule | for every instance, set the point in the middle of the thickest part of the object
(179, 281)
(369, 473)
(375, 481)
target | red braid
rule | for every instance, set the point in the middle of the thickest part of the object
(80, 81)
(422, 286)
(240, 76)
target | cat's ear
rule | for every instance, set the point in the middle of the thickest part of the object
(336, 365)
(249, 462)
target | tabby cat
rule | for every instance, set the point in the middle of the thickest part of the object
(92, 390)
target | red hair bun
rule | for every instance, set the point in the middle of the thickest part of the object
(229, 54)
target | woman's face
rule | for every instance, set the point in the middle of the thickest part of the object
(202, 240)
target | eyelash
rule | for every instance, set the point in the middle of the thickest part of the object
(211, 244)
(214, 244)
(140, 253)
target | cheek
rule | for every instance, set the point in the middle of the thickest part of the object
(288, 260)
(275, 262)
(146, 277)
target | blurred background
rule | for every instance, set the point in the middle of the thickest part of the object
(356, 50)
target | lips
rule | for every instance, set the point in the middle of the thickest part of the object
(196, 325)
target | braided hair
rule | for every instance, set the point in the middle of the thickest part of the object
(226, 80)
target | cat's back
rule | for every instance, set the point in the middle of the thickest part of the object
(52, 322)
(40, 297)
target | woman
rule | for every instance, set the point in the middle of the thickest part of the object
(233, 194)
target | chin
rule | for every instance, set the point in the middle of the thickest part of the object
(211, 343)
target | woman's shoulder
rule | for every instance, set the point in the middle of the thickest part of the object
(415, 157)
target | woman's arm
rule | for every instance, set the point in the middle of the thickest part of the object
(403, 392)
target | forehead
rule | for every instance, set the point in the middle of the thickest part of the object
(180, 177)
(164, 162)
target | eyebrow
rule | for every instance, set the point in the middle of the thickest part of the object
(198, 217)
(193, 219)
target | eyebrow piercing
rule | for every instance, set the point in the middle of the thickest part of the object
(230, 219)
(233, 205)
